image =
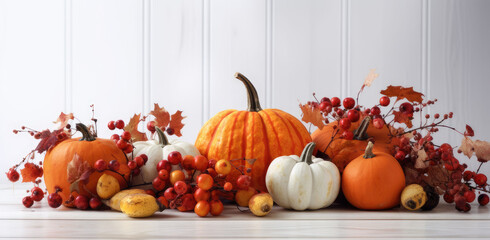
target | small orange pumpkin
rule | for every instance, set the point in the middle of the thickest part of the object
(342, 151)
(373, 181)
(90, 149)
(253, 134)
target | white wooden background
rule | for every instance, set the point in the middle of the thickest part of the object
(124, 55)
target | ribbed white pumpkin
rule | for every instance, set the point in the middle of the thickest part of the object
(157, 150)
(301, 183)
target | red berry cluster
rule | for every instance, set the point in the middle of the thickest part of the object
(83, 202)
(136, 164)
(199, 184)
(122, 141)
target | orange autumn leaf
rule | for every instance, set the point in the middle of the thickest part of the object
(312, 115)
(403, 118)
(400, 93)
(63, 119)
(31, 172)
(176, 123)
(162, 117)
(132, 127)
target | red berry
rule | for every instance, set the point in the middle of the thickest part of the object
(163, 174)
(483, 199)
(27, 201)
(353, 115)
(81, 202)
(114, 165)
(129, 148)
(200, 194)
(158, 184)
(37, 194)
(378, 123)
(151, 126)
(139, 161)
(111, 125)
(100, 165)
(126, 135)
(164, 164)
(13, 175)
(340, 112)
(469, 196)
(448, 198)
(375, 110)
(212, 163)
(480, 179)
(406, 108)
(400, 155)
(122, 144)
(345, 123)
(466, 207)
(384, 101)
(349, 103)
(170, 194)
(335, 102)
(180, 187)
(115, 137)
(132, 165)
(348, 135)
(54, 200)
(95, 203)
(174, 158)
(170, 131)
(136, 172)
(325, 99)
(468, 175)
(120, 124)
(228, 186)
(323, 106)
(145, 158)
(201, 163)
(243, 182)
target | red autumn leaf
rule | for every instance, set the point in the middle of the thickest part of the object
(77, 168)
(132, 127)
(400, 93)
(469, 131)
(31, 172)
(50, 139)
(162, 117)
(403, 118)
(63, 119)
(176, 123)
(312, 115)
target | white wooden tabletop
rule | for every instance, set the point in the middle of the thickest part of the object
(41, 221)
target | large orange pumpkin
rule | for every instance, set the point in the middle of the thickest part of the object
(342, 151)
(373, 181)
(261, 134)
(89, 149)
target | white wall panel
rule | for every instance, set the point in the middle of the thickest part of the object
(176, 60)
(32, 91)
(237, 44)
(107, 60)
(306, 51)
(460, 67)
(385, 35)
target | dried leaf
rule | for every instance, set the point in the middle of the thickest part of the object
(400, 93)
(77, 168)
(176, 123)
(467, 147)
(421, 161)
(403, 118)
(469, 131)
(50, 139)
(437, 176)
(31, 172)
(162, 117)
(370, 78)
(411, 175)
(482, 150)
(63, 119)
(312, 115)
(132, 127)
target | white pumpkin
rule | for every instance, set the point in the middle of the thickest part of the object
(301, 183)
(158, 150)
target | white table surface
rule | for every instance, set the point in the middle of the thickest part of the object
(41, 221)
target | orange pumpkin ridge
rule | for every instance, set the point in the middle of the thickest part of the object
(256, 134)
(89, 149)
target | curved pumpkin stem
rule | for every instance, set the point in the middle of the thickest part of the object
(162, 138)
(369, 151)
(307, 154)
(86, 135)
(361, 131)
(253, 97)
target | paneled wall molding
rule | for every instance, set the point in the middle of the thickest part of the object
(68, 55)
(206, 58)
(345, 47)
(425, 48)
(146, 59)
(269, 51)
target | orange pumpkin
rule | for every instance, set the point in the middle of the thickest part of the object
(253, 134)
(373, 181)
(89, 149)
(342, 151)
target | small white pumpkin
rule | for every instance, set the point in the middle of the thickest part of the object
(301, 183)
(158, 150)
